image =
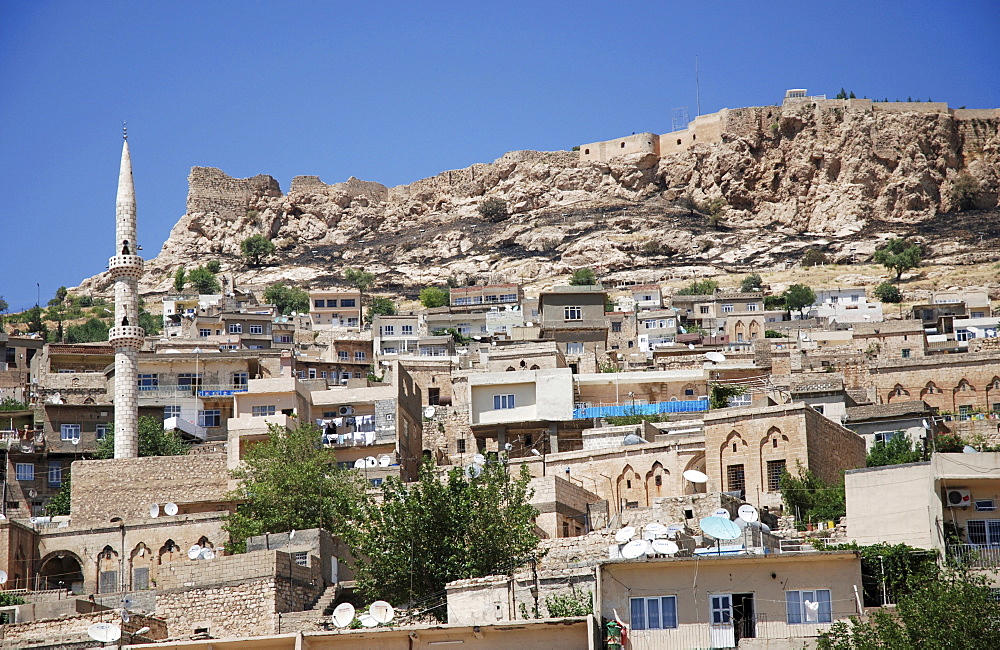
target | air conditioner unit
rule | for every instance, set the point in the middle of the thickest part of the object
(958, 498)
(346, 410)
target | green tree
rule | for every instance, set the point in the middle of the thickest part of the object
(431, 297)
(180, 279)
(61, 294)
(58, 505)
(965, 191)
(751, 282)
(773, 334)
(582, 278)
(722, 393)
(204, 281)
(94, 329)
(576, 603)
(898, 255)
(888, 293)
(153, 440)
(797, 297)
(148, 322)
(699, 288)
(287, 299)
(6, 600)
(810, 498)
(456, 336)
(4, 306)
(214, 266)
(814, 257)
(493, 208)
(11, 404)
(362, 281)
(381, 307)
(34, 321)
(422, 535)
(897, 451)
(291, 482)
(255, 248)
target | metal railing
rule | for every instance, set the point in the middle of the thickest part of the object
(189, 390)
(975, 555)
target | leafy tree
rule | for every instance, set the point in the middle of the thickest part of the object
(897, 451)
(576, 603)
(6, 600)
(61, 294)
(4, 306)
(35, 322)
(291, 482)
(699, 288)
(457, 336)
(180, 279)
(153, 440)
(888, 293)
(255, 248)
(148, 322)
(431, 297)
(583, 278)
(11, 404)
(204, 281)
(214, 266)
(453, 282)
(362, 281)
(774, 302)
(773, 334)
(722, 393)
(493, 208)
(965, 191)
(59, 504)
(810, 498)
(814, 257)
(287, 299)
(422, 535)
(94, 329)
(751, 282)
(898, 255)
(797, 297)
(381, 307)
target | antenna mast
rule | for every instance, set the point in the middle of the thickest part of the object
(697, 87)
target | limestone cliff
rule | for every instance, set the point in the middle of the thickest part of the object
(790, 178)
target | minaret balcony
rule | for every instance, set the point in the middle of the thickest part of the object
(125, 265)
(126, 336)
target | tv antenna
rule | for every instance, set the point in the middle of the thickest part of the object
(697, 86)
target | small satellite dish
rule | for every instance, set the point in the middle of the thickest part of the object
(381, 611)
(721, 512)
(926, 424)
(715, 357)
(429, 412)
(104, 632)
(384, 460)
(625, 534)
(765, 528)
(748, 513)
(194, 552)
(967, 449)
(126, 617)
(3, 577)
(126, 603)
(75, 441)
(719, 528)
(741, 523)
(695, 476)
(536, 452)
(359, 463)
(508, 447)
(690, 346)
(664, 546)
(170, 509)
(343, 615)
(207, 554)
(654, 530)
(371, 461)
(479, 459)
(635, 548)
(473, 471)
(366, 620)
(2, 516)
(32, 493)
(633, 439)
(154, 510)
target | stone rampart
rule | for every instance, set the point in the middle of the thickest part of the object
(353, 188)
(212, 190)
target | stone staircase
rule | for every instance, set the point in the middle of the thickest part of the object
(324, 606)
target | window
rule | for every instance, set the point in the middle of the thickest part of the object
(25, 471)
(808, 606)
(256, 329)
(985, 505)
(108, 582)
(508, 297)
(352, 322)
(188, 380)
(240, 380)
(905, 352)
(572, 313)
(102, 430)
(657, 613)
(320, 304)
(301, 558)
(983, 532)
(140, 578)
(388, 330)
(775, 468)
(887, 436)
(55, 473)
(433, 396)
(735, 477)
(149, 382)
(204, 332)
(407, 330)
(210, 418)
(348, 302)
(360, 356)
(727, 309)
(703, 309)
(236, 328)
(616, 326)
(173, 411)
(312, 373)
(460, 445)
(574, 347)
(342, 355)
(649, 324)
(302, 374)
(69, 432)
(282, 338)
(752, 306)
(322, 374)
(503, 402)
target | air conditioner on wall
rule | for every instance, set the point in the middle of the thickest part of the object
(958, 498)
(346, 410)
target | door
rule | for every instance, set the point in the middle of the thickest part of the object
(721, 621)
(744, 617)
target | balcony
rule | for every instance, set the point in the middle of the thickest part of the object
(977, 556)
(170, 391)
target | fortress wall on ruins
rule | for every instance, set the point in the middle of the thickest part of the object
(212, 190)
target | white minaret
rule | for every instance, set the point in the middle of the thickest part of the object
(126, 336)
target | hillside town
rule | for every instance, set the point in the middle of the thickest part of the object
(702, 465)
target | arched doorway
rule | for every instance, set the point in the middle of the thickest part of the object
(61, 570)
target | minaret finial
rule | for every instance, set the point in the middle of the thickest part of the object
(124, 130)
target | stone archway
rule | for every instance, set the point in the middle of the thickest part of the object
(61, 570)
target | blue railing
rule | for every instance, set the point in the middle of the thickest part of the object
(685, 406)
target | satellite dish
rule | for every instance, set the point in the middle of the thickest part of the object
(633, 439)
(207, 554)
(507, 446)
(170, 509)
(625, 534)
(676, 528)
(343, 615)
(479, 459)
(719, 528)
(536, 452)
(366, 620)
(473, 471)
(765, 528)
(741, 523)
(748, 513)
(715, 357)
(381, 611)
(194, 552)
(359, 463)
(695, 476)
(3, 577)
(126, 617)
(154, 510)
(926, 424)
(654, 530)
(664, 546)
(2, 516)
(75, 441)
(104, 632)
(429, 412)
(690, 346)
(371, 461)
(32, 493)
(635, 548)
(384, 460)
(967, 449)
(721, 512)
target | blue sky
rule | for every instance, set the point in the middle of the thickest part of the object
(395, 92)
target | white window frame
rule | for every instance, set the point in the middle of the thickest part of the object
(406, 330)
(204, 332)
(388, 330)
(727, 308)
(24, 471)
(360, 355)
(261, 411)
(795, 608)
(572, 313)
(642, 622)
(256, 329)
(69, 432)
(55, 473)
(236, 328)
(574, 347)
(205, 415)
(171, 411)
(102, 430)
(503, 402)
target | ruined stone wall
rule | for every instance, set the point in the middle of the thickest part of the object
(352, 188)
(212, 190)
(481, 601)
(73, 629)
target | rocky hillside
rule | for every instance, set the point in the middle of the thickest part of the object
(834, 179)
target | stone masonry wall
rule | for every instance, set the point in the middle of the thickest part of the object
(212, 190)
(73, 629)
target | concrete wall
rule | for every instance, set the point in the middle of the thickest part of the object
(894, 504)
(556, 385)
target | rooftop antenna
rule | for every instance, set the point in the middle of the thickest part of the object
(697, 87)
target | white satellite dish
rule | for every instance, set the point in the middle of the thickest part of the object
(371, 461)
(625, 534)
(479, 459)
(676, 527)
(926, 424)
(635, 548)
(126, 617)
(715, 357)
(695, 476)
(748, 513)
(170, 509)
(969, 449)
(2, 516)
(429, 412)
(664, 546)
(194, 552)
(104, 632)
(343, 615)
(154, 510)
(75, 441)
(654, 530)
(381, 611)
(721, 512)
(207, 554)
(32, 493)
(366, 620)
(765, 528)
(690, 346)
(3, 577)
(473, 471)
(359, 463)
(384, 460)
(739, 521)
